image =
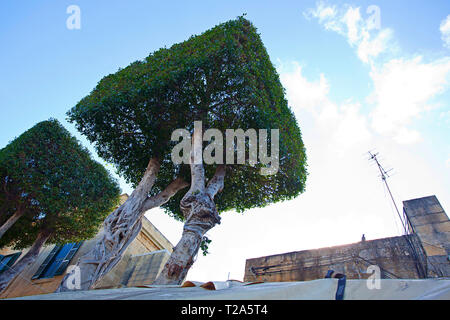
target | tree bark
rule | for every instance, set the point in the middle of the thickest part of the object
(11, 220)
(201, 215)
(8, 276)
(120, 228)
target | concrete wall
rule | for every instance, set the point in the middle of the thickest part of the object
(424, 253)
(392, 255)
(143, 269)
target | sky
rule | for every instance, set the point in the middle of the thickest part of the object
(359, 75)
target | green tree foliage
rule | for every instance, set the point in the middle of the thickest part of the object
(224, 78)
(64, 191)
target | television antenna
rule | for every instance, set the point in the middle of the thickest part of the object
(384, 174)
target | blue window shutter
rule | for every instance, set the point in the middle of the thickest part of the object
(46, 262)
(14, 258)
(65, 262)
(7, 261)
(1, 263)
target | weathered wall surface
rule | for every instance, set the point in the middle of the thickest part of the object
(392, 255)
(431, 224)
(424, 253)
(144, 268)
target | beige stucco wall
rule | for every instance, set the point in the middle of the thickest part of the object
(149, 239)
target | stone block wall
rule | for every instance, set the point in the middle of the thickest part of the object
(393, 256)
(428, 220)
(423, 253)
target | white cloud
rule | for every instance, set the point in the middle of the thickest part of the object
(402, 92)
(342, 126)
(327, 16)
(302, 93)
(403, 87)
(322, 12)
(407, 136)
(369, 39)
(445, 31)
(444, 118)
(352, 19)
(351, 127)
(370, 47)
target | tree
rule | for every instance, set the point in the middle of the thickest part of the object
(13, 203)
(64, 194)
(223, 78)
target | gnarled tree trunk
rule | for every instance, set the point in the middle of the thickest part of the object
(120, 228)
(201, 215)
(7, 276)
(11, 220)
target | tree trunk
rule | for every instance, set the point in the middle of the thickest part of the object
(120, 228)
(201, 215)
(11, 220)
(7, 276)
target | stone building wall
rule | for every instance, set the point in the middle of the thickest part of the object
(392, 255)
(422, 253)
(431, 224)
(148, 240)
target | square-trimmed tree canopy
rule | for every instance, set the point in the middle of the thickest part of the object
(60, 188)
(224, 78)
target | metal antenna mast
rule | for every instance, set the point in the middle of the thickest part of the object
(384, 176)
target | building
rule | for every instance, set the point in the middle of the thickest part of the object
(423, 252)
(140, 264)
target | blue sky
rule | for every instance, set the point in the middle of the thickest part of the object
(352, 86)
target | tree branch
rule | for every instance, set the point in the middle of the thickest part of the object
(197, 169)
(215, 185)
(165, 195)
(148, 180)
(8, 194)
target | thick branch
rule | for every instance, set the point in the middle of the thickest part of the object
(7, 276)
(11, 220)
(165, 195)
(196, 162)
(201, 215)
(148, 179)
(215, 185)
(6, 189)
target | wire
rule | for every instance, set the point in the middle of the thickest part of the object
(384, 174)
(392, 211)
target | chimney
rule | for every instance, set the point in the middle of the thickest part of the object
(428, 220)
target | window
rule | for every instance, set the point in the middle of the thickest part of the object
(8, 260)
(57, 261)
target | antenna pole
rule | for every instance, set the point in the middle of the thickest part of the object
(384, 175)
